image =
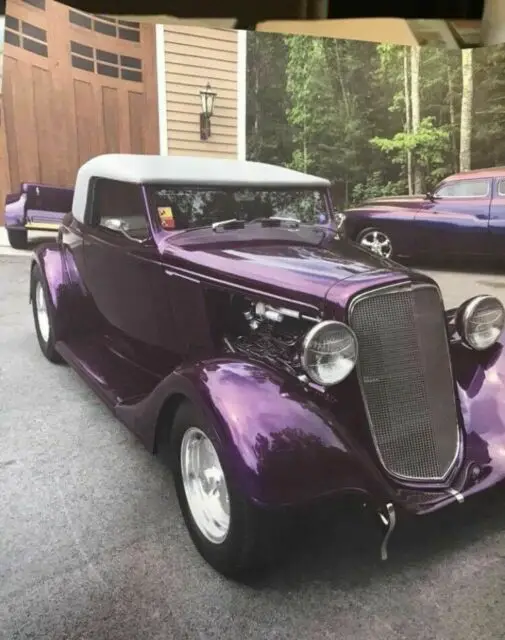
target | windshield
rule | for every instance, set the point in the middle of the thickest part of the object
(190, 207)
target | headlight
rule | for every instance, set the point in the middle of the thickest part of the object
(329, 353)
(480, 321)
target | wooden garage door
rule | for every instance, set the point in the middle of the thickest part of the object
(4, 165)
(75, 85)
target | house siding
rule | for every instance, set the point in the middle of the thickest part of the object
(193, 57)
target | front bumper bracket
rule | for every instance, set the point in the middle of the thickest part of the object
(388, 519)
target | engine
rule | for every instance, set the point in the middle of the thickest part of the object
(272, 335)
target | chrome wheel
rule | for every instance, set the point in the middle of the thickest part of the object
(42, 314)
(205, 485)
(377, 242)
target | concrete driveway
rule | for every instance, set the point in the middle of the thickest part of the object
(92, 545)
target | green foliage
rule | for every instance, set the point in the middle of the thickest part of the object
(327, 117)
(488, 144)
(337, 108)
(429, 145)
(375, 187)
(269, 136)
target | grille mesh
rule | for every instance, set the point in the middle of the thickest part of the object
(404, 367)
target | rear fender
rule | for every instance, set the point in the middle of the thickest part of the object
(15, 210)
(279, 446)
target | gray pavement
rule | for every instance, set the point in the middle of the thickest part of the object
(92, 545)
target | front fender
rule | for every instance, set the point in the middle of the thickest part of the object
(50, 262)
(284, 446)
(280, 447)
(480, 378)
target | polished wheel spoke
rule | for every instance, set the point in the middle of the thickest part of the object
(378, 243)
(41, 311)
(205, 485)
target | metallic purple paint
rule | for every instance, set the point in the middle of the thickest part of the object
(15, 210)
(285, 444)
(137, 322)
(37, 207)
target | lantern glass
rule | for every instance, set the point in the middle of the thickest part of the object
(207, 96)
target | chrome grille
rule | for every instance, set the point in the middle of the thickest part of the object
(406, 379)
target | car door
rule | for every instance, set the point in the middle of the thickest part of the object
(123, 273)
(398, 222)
(455, 220)
(497, 220)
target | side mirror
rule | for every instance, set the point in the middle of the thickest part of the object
(339, 221)
(115, 224)
(430, 196)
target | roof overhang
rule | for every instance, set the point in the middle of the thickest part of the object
(456, 34)
(454, 24)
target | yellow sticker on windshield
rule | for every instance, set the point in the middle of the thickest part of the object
(166, 217)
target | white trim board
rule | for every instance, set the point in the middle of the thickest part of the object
(241, 94)
(161, 79)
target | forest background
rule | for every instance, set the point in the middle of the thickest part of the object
(375, 119)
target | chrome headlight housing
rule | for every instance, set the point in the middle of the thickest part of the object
(480, 321)
(329, 352)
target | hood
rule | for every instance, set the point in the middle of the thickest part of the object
(392, 202)
(298, 271)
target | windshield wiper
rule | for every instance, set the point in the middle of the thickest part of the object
(277, 221)
(223, 225)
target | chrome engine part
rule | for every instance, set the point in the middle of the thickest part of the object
(272, 335)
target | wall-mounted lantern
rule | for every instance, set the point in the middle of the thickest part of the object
(207, 96)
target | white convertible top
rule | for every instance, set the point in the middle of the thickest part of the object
(185, 170)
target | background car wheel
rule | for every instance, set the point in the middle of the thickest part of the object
(42, 318)
(232, 535)
(18, 238)
(376, 241)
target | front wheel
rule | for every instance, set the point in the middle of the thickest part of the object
(376, 241)
(232, 535)
(42, 318)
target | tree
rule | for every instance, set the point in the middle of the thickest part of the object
(488, 106)
(465, 145)
(429, 143)
(408, 117)
(331, 122)
(415, 61)
(269, 135)
(376, 119)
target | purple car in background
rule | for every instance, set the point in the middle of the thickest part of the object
(464, 217)
(36, 207)
(270, 362)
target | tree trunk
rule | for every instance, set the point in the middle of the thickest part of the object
(415, 58)
(256, 89)
(452, 120)
(465, 133)
(408, 117)
(305, 162)
(345, 95)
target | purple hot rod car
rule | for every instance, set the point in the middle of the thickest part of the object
(463, 217)
(271, 362)
(37, 207)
